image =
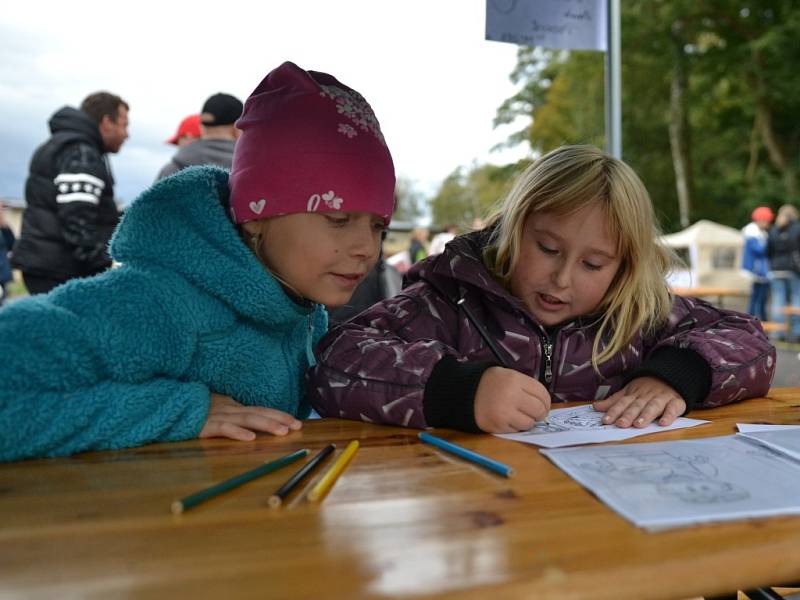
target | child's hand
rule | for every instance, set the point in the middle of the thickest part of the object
(641, 402)
(227, 418)
(508, 401)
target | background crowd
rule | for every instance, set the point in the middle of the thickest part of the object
(71, 213)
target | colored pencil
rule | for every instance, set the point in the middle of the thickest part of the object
(280, 494)
(487, 338)
(193, 500)
(469, 455)
(326, 482)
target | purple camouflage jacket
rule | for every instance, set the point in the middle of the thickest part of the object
(415, 360)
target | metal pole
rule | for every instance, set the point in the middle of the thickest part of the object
(613, 80)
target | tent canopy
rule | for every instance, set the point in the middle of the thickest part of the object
(714, 254)
(704, 233)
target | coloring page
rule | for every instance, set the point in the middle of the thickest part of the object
(673, 484)
(583, 425)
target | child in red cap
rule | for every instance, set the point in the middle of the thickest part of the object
(208, 326)
(754, 260)
(188, 131)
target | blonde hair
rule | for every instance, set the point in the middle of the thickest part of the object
(565, 181)
(786, 214)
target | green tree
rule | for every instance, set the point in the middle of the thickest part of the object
(469, 194)
(709, 103)
(561, 94)
(409, 203)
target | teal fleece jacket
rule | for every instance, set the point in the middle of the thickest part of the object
(131, 356)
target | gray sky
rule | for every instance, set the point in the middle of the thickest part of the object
(424, 65)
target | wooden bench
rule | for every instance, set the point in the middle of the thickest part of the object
(774, 327)
(719, 293)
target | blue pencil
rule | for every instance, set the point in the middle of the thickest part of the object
(469, 455)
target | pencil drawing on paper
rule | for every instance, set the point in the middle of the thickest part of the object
(578, 418)
(691, 479)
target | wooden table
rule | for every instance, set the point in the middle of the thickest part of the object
(719, 293)
(404, 521)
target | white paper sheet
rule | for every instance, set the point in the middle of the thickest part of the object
(786, 441)
(750, 427)
(662, 485)
(582, 425)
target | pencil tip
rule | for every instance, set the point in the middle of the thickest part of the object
(176, 507)
(274, 501)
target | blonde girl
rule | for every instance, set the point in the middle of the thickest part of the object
(568, 283)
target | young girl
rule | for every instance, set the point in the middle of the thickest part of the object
(207, 327)
(568, 282)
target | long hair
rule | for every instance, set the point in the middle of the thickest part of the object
(565, 181)
(786, 214)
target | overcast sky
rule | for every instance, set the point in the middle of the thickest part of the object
(433, 80)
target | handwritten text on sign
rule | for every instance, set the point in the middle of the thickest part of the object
(565, 24)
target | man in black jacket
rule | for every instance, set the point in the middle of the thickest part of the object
(71, 213)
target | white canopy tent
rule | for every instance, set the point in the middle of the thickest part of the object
(714, 256)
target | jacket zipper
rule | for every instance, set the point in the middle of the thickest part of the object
(547, 363)
(310, 342)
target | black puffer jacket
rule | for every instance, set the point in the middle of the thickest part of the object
(783, 247)
(70, 213)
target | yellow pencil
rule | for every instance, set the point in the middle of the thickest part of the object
(326, 482)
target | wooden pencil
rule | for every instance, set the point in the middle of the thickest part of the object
(326, 482)
(280, 494)
(193, 500)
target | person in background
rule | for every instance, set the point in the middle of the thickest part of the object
(188, 131)
(440, 240)
(563, 297)
(783, 253)
(218, 136)
(754, 260)
(208, 325)
(71, 212)
(417, 249)
(7, 240)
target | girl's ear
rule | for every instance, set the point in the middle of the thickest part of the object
(253, 227)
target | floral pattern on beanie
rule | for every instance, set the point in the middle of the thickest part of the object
(352, 105)
(330, 199)
(348, 130)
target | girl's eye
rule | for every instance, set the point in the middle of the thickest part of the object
(592, 267)
(546, 250)
(337, 221)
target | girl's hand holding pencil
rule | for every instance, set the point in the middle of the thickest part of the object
(229, 419)
(508, 401)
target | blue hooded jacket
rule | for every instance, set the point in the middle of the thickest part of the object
(131, 356)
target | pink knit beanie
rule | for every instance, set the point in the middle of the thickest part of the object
(309, 144)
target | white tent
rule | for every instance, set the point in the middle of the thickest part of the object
(714, 256)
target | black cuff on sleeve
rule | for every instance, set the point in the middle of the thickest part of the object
(449, 399)
(683, 369)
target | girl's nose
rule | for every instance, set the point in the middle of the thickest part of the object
(561, 275)
(366, 240)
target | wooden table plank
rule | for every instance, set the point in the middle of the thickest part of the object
(404, 520)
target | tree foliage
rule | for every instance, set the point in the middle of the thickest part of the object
(408, 201)
(708, 83)
(469, 194)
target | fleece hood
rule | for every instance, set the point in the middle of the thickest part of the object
(180, 224)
